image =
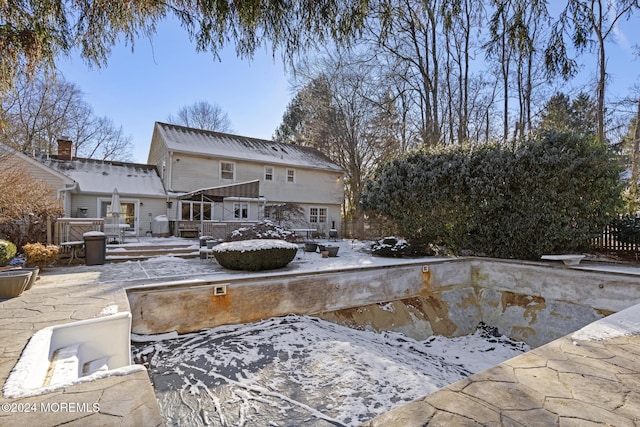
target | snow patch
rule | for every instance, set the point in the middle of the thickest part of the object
(622, 323)
(254, 245)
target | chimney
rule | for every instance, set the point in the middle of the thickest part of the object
(65, 146)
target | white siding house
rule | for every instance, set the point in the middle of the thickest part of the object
(142, 196)
(217, 178)
(85, 186)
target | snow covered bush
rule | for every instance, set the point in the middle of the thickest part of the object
(393, 247)
(552, 194)
(7, 252)
(255, 255)
(423, 192)
(263, 230)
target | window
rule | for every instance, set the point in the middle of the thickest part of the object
(270, 211)
(268, 173)
(195, 211)
(227, 170)
(241, 210)
(291, 175)
(318, 215)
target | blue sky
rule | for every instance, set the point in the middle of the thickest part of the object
(137, 89)
(166, 73)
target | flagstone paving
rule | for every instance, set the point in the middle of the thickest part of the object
(563, 383)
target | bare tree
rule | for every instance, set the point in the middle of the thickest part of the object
(586, 19)
(342, 110)
(202, 115)
(26, 202)
(35, 113)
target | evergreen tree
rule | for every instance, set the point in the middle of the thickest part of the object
(561, 114)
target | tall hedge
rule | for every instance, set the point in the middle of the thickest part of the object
(552, 194)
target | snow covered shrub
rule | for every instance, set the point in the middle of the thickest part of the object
(39, 255)
(424, 193)
(392, 247)
(7, 252)
(263, 230)
(552, 194)
(255, 255)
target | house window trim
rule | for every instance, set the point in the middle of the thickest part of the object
(241, 218)
(202, 205)
(272, 173)
(233, 178)
(287, 176)
(318, 215)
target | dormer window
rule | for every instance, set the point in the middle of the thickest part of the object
(227, 170)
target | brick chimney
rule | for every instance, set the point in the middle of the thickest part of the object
(65, 147)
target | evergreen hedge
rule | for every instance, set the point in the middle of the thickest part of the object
(552, 194)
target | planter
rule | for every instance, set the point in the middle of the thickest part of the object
(34, 276)
(255, 255)
(13, 283)
(310, 247)
(333, 250)
(325, 254)
(322, 247)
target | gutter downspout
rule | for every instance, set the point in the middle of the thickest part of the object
(170, 171)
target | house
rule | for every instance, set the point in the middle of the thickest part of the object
(216, 181)
(85, 186)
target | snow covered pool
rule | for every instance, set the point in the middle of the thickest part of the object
(303, 371)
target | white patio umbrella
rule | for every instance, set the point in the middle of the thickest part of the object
(115, 213)
(115, 204)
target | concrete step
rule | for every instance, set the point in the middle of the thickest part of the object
(140, 252)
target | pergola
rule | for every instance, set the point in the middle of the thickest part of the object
(245, 190)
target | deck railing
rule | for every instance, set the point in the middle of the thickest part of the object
(73, 229)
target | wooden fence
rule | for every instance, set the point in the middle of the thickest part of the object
(365, 228)
(608, 242)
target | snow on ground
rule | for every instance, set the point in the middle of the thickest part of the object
(298, 370)
(622, 323)
(303, 371)
(352, 254)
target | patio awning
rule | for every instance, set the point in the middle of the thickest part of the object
(248, 190)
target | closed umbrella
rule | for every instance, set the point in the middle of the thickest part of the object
(115, 213)
(115, 204)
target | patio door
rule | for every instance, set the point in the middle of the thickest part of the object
(127, 209)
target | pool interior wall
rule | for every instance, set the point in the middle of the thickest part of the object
(527, 301)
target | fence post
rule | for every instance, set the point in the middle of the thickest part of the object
(49, 231)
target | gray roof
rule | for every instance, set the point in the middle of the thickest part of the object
(101, 177)
(208, 143)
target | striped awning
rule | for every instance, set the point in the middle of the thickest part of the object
(248, 190)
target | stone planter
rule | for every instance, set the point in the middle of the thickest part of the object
(310, 247)
(35, 271)
(333, 250)
(255, 255)
(13, 283)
